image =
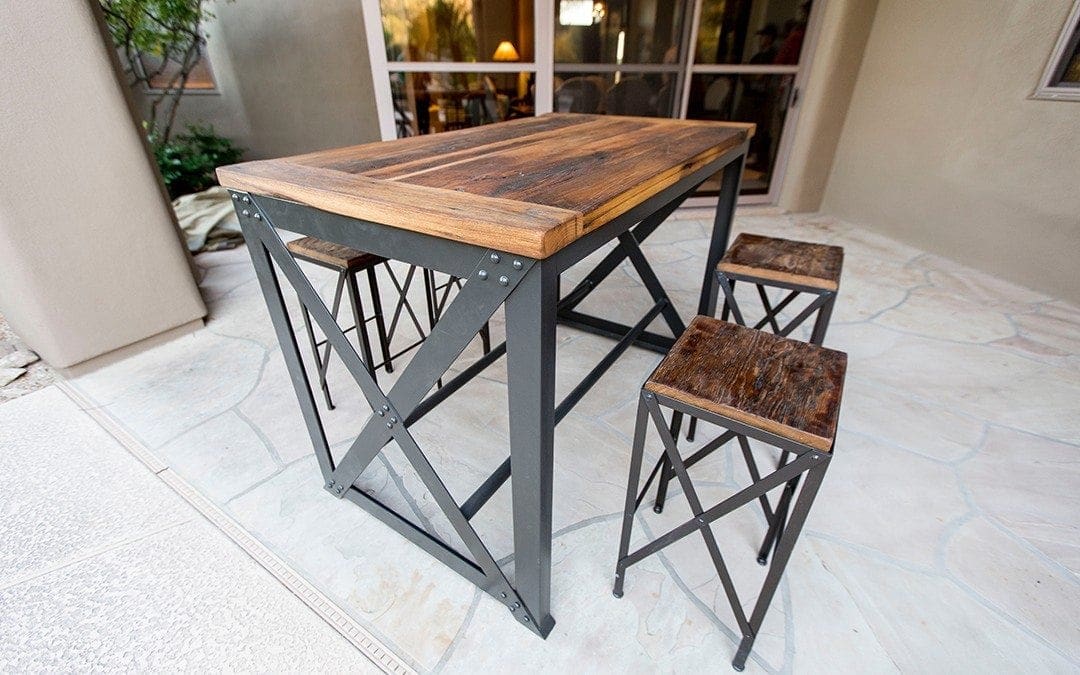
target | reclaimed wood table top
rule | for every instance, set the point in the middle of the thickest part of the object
(528, 186)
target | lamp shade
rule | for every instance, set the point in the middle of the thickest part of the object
(505, 52)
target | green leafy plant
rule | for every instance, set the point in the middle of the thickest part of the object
(187, 160)
(160, 42)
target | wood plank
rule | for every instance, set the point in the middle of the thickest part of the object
(528, 186)
(784, 260)
(336, 255)
(782, 386)
(515, 227)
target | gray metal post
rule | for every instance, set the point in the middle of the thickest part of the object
(725, 214)
(530, 345)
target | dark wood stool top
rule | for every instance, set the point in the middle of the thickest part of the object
(784, 260)
(782, 386)
(332, 255)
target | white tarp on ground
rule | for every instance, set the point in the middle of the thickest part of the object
(208, 220)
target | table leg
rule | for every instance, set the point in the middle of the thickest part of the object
(530, 342)
(721, 232)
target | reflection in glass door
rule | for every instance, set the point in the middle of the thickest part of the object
(745, 65)
(451, 64)
(620, 57)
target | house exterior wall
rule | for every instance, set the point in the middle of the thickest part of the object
(844, 30)
(90, 257)
(291, 77)
(943, 148)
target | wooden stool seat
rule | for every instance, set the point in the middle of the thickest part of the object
(784, 260)
(782, 386)
(333, 255)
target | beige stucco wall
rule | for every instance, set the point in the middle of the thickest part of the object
(843, 32)
(292, 77)
(943, 148)
(90, 259)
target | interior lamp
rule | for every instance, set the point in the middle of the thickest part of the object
(506, 52)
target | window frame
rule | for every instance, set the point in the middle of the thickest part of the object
(1050, 87)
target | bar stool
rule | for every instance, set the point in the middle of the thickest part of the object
(778, 391)
(798, 266)
(348, 263)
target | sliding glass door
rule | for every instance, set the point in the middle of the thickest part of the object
(441, 65)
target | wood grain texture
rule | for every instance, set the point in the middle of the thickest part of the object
(336, 255)
(784, 260)
(528, 186)
(786, 387)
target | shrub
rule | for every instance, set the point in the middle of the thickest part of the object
(187, 160)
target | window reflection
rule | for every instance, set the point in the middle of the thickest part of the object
(638, 94)
(429, 103)
(618, 32)
(456, 30)
(759, 32)
(761, 99)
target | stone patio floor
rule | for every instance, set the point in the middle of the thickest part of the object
(946, 536)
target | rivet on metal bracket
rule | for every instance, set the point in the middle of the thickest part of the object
(257, 216)
(503, 281)
(247, 200)
(495, 258)
(518, 265)
(245, 212)
(482, 274)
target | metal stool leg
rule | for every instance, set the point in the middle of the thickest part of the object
(380, 323)
(667, 472)
(318, 361)
(821, 324)
(785, 545)
(361, 326)
(631, 492)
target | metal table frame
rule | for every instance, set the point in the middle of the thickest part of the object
(529, 289)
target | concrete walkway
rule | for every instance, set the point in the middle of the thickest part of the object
(104, 567)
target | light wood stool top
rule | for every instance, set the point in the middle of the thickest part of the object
(784, 260)
(331, 254)
(782, 386)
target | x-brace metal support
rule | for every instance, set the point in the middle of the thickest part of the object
(479, 297)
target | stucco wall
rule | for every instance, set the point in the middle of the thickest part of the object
(292, 77)
(943, 148)
(90, 259)
(844, 30)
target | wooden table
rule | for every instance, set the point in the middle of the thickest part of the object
(507, 208)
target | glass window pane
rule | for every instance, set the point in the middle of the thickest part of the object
(166, 74)
(618, 31)
(624, 93)
(761, 99)
(761, 32)
(458, 30)
(429, 103)
(1070, 64)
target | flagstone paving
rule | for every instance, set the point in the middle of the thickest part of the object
(946, 536)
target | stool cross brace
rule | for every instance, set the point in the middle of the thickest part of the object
(811, 462)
